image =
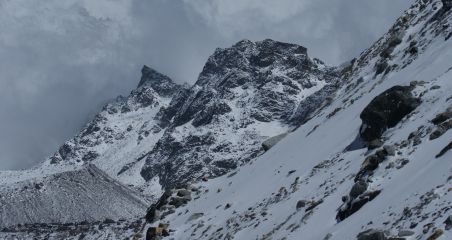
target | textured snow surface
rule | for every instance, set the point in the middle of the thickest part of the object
(84, 194)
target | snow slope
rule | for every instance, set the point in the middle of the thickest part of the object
(164, 134)
(295, 189)
(311, 163)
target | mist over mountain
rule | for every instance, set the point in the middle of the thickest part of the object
(62, 60)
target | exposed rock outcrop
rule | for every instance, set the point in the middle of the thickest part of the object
(386, 110)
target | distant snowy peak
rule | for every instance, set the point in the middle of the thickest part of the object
(274, 76)
(245, 94)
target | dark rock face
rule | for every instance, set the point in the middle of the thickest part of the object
(386, 110)
(447, 4)
(157, 81)
(444, 150)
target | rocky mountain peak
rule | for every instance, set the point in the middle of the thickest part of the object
(242, 89)
(161, 83)
(255, 58)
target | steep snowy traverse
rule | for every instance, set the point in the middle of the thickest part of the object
(267, 144)
(394, 182)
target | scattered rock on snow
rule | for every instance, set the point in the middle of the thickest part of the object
(301, 204)
(444, 150)
(436, 234)
(448, 223)
(372, 234)
(353, 205)
(442, 117)
(405, 233)
(441, 129)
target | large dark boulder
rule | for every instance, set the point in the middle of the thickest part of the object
(354, 205)
(386, 110)
(372, 234)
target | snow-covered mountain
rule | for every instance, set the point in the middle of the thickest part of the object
(167, 134)
(286, 148)
(164, 134)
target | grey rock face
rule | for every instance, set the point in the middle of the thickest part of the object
(359, 188)
(250, 84)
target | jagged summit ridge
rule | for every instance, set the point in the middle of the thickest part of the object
(253, 57)
(244, 95)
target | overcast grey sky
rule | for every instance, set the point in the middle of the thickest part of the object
(60, 60)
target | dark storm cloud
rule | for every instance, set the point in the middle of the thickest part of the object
(61, 60)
